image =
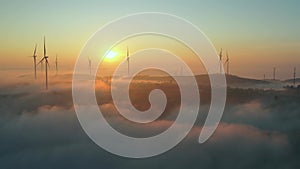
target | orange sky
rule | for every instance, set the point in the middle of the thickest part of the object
(258, 35)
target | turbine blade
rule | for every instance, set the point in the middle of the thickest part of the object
(127, 53)
(34, 53)
(47, 63)
(41, 61)
(227, 56)
(45, 46)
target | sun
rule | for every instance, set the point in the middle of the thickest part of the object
(111, 55)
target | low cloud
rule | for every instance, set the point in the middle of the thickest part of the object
(39, 129)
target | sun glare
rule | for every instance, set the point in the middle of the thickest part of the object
(111, 55)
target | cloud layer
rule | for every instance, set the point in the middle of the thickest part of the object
(39, 129)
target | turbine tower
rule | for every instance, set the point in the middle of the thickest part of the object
(227, 62)
(34, 60)
(45, 57)
(220, 61)
(127, 55)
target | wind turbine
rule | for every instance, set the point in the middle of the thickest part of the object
(127, 55)
(220, 61)
(56, 64)
(294, 76)
(90, 66)
(34, 60)
(227, 62)
(47, 63)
